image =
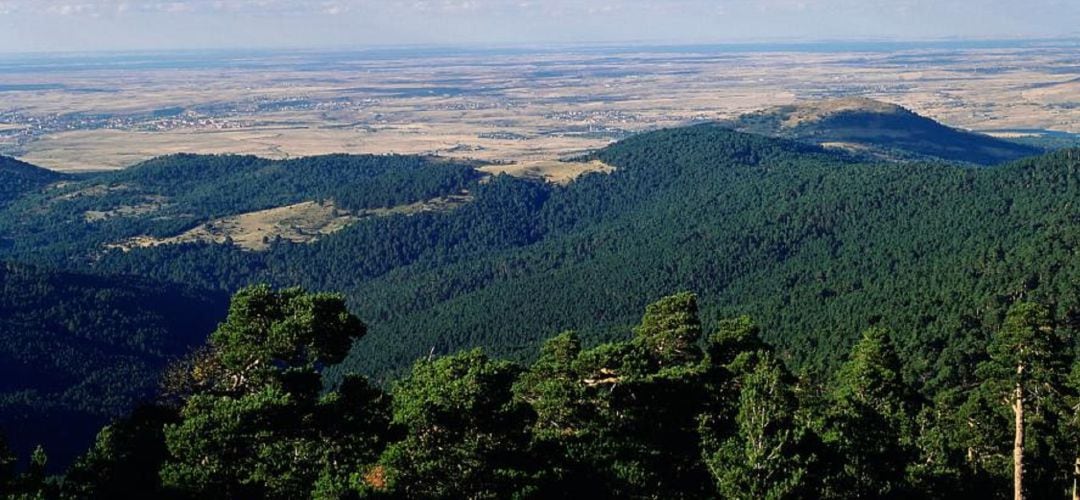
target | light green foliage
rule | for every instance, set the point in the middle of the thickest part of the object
(551, 386)
(670, 329)
(267, 328)
(765, 456)
(735, 344)
(234, 447)
(465, 433)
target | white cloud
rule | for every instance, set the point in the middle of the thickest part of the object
(187, 23)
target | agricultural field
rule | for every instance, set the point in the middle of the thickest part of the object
(498, 105)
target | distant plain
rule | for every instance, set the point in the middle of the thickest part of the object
(96, 112)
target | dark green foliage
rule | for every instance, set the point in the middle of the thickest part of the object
(18, 178)
(811, 244)
(7, 466)
(259, 428)
(124, 461)
(812, 247)
(78, 350)
(871, 422)
(1028, 354)
(619, 420)
(634, 418)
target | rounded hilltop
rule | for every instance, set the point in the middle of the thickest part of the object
(879, 130)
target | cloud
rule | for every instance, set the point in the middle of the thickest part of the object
(116, 24)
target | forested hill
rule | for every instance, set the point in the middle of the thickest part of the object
(813, 246)
(813, 243)
(18, 178)
(78, 350)
(879, 130)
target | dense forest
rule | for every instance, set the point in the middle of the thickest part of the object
(671, 409)
(20, 178)
(810, 242)
(815, 245)
(78, 350)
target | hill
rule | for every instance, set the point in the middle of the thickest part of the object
(879, 129)
(197, 194)
(77, 350)
(813, 243)
(18, 178)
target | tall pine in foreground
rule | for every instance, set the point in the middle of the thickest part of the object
(1024, 377)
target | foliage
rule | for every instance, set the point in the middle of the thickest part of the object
(260, 429)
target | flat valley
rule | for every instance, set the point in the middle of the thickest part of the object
(512, 105)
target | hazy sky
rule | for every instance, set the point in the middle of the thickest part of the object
(37, 25)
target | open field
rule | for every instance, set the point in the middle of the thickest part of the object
(299, 223)
(555, 171)
(499, 105)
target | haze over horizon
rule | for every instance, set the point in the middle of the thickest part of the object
(121, 25)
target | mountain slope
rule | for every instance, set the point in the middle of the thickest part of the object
(18, 178)
(879, 129)
(77, 350)
(813, 247)
(813, 244)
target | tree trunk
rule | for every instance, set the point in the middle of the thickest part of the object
(1018, 441)
(1076, 476)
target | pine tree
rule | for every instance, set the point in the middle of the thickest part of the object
(670, 329)
(766, 456)
(465, 433)
(1025, 374)
(252, 428)
(872, 420)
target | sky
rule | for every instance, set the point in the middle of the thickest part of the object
(129, 25)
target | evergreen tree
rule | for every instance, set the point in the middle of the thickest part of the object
(566, 421)
(872, 421)
(766, 456)
(670, 329)
(252, 430)
(1023, 376)
(465, 433)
